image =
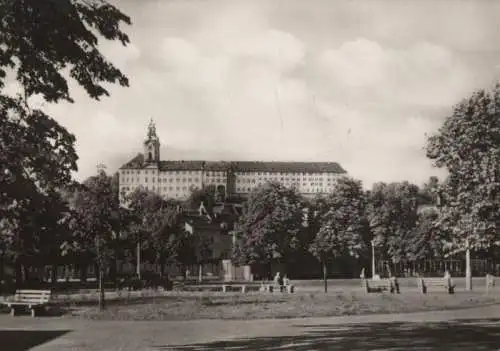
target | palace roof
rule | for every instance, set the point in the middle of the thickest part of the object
(239, 166)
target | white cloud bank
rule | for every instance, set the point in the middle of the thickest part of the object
(246, 80)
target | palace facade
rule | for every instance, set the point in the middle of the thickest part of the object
(176, 179)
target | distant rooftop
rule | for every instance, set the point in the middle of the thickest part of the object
(239, 166)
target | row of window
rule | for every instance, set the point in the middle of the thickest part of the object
(159, 188)
(172, 180)
(239, 181)
(316, 176)
(184, 190)
(318, 181)
(154, 171)
(312, 190)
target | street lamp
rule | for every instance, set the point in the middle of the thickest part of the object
(373, 257)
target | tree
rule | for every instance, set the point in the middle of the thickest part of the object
(157, 225)
(96, 223)
(40, 41)
(426, 240)
(468, 146)
(33, 238)
(36, 160)
(269, 228)
(205, 196)
(393, 213)
(429, 192)
(343, 226)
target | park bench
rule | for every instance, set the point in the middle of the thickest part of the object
(240, 287)
(202, 287)
(380, 285)
(33, 300)
(290, 288)
(232, 287)
(446, 284)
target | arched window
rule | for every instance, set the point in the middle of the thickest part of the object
(150, 156)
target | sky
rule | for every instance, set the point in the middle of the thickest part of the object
(360, 83)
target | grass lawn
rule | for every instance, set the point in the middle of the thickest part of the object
(186, 306)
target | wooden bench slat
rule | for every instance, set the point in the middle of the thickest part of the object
(389, 284)
(445, 283)
(32, 298)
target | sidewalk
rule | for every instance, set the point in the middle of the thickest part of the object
(118, 335)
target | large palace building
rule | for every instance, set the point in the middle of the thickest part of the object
(176, 179)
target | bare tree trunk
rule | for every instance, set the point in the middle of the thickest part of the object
(102, 305)
(138, 260)
(25, 272)
(100, 275)
(162, 267)
(200, 272)
(53, 274)
(325, 275)
(83, 271)
(468, 271)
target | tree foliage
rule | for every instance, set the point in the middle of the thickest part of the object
(37, 157)
(468, 146)
(393, 214)
(41, 40)
(96, 219)
(343, 226)
(426, 240)
(41, 44)
(156, 225)
(205, 195)
(269, 228)
(95, 224)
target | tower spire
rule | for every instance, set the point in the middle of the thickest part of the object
(152, 130)
(152, 144)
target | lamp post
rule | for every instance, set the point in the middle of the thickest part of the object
(373, 257)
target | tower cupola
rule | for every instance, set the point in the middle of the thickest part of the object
(152, 144)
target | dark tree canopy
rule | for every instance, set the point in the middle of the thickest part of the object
(39, 40)
(157, 225)
(426, 240)
(96, 218)
(270, 226)
(205, 195)
(393, 213)
(343, 225)
(42, 43)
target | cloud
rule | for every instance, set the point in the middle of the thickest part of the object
(356, 83)
(121, 56)
(352, 110)
(420, 74)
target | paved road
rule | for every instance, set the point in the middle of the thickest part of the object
(472, 329)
